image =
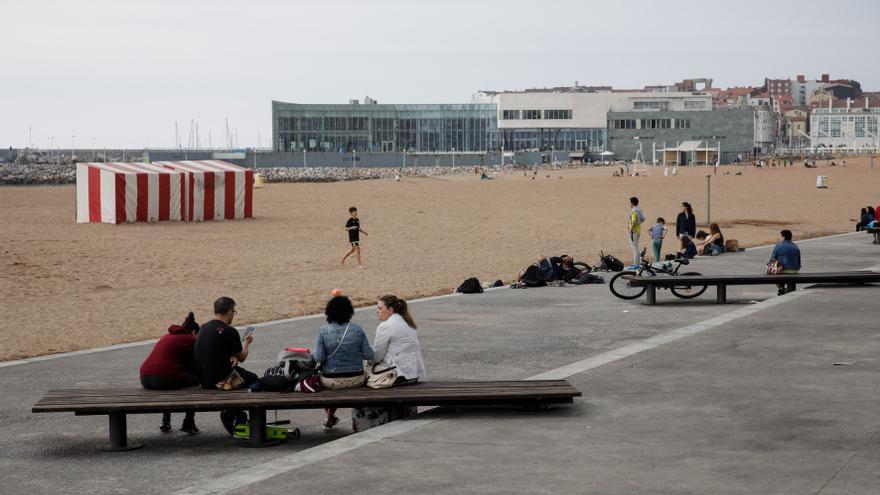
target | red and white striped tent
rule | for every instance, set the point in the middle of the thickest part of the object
(215, 190)
(128, 192)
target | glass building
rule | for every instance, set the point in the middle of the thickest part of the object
(371, 127)
(556, 139)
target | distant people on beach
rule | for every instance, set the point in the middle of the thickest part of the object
(686, 222)
(340, 352)
(353, 227)
(395, 346)
(788, 254)
(171, 365)
(634, 227)
(218, 352)
(658, 233)
(712, 244)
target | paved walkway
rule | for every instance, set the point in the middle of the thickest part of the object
(683, 397)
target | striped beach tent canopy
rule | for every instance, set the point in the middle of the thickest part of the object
(128, 192)
(215, 190)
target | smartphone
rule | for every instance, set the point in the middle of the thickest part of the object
(247, 331)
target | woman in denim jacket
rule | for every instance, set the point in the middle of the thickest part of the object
(341, 351)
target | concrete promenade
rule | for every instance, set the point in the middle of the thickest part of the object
(766, 394)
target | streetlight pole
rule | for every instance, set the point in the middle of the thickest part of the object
(708, 198)
(353, 157)
(304, 157)
(453, 157)
(71, 147)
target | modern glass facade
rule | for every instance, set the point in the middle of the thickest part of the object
(471, 127)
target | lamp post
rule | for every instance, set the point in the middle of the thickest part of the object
(353, 157)
(72, 137)
(708, 198)
(304, 157)
(453, 157)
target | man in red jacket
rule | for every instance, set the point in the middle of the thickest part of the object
(171, 365)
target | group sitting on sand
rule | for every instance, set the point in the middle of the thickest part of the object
(210, 355)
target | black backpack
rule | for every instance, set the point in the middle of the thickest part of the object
(533, 277)
(611, 263)
(470, 286)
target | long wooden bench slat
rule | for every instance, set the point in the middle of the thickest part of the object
(261, 398)
(198, 399)
(799, 278)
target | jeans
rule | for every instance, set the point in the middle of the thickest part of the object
(634, 243)
(656, 245)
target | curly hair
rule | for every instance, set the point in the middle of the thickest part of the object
(339, 310)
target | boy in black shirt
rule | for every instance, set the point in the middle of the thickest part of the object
(353, 226)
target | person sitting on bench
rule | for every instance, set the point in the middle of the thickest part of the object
(219, 350)
(789, 255)
(340, 352)
(171, 365)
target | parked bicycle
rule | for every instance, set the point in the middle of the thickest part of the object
(621, 287)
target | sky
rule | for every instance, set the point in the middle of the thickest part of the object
(121, 73)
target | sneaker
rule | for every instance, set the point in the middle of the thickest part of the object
(330, 423)
(165, 428)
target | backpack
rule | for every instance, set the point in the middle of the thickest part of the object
(294, 364)
(611, 263)
(586, 278)
(470, 286)
(533, 277)
(640, 216)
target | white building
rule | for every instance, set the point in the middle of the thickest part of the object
(575, 119)
(851, 127)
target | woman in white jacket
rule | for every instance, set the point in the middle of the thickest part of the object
(396, 344)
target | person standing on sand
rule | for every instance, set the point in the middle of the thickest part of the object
(686, 223)
(353, 226)
(634, 227)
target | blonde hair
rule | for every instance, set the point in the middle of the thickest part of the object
(400, 307)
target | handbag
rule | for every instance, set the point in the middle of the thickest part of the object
(381, 378)
(232, 382)
(774, 267)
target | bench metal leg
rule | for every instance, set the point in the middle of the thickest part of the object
(721, 297)
(119, 435)
(652, 295)
(257, 423)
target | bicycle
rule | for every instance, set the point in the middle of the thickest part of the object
(620, 284)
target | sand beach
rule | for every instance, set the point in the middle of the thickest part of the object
(65, 286)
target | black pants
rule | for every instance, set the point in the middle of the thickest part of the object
(162, 383)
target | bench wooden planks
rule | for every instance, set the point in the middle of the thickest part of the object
(118, 402)
(722, 281)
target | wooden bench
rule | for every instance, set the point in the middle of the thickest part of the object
(722, 281)
(875, 231)
(118, 403)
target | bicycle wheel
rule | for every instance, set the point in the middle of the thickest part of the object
(582, 267)
(688, 291)
(621, 287)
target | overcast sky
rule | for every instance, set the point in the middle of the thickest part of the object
(122, 72)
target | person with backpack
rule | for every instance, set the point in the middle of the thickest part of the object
(634, 227)
(788, 254)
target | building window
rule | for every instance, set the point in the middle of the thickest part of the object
(650, 105)
(557, 114)
(623, 124)
(872, 126)
(510, 115)
(656, 123)
(694, 105)
(531, 115)
(860, 127)
(682, 123)
(835, 127)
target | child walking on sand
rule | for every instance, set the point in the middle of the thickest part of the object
(353, 226)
